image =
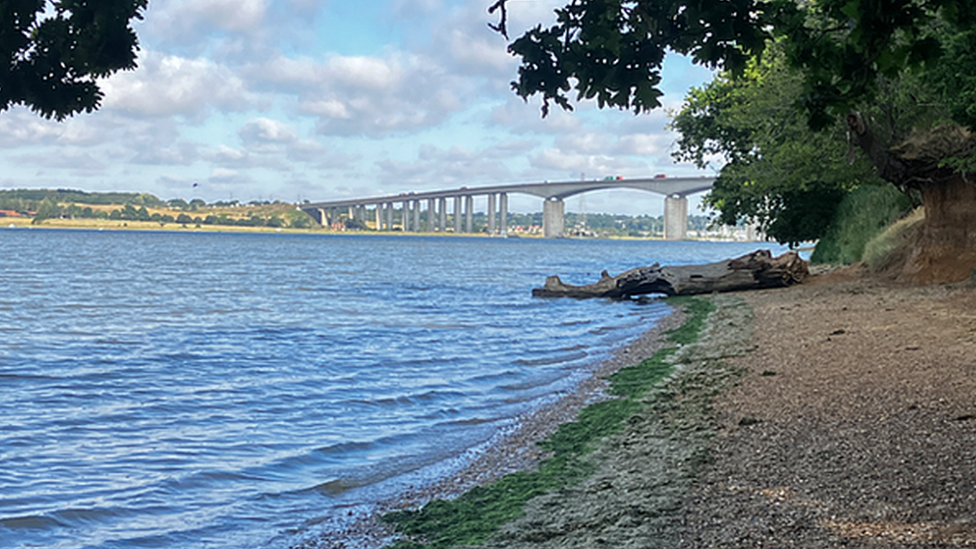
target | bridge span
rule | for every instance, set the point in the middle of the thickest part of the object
(413, 216)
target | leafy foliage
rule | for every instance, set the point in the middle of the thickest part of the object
(53, 52)
(777, 171)
(862, 215)
(612, 50)
(955, 78)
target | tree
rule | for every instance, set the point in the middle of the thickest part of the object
(54, 52)
(178, 204)
(844, 51)
(776, 171)
(47, 209)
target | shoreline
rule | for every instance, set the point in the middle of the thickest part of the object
(512, 452)
(835, 413)
(152, 226)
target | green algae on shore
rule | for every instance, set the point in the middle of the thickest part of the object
(477, 514)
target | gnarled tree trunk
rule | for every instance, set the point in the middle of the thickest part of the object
(944, 248)
(749, 272)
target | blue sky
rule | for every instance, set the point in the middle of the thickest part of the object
(332, 99)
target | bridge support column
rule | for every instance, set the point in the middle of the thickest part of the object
(457, 215)
(468, 214)
(430, 215)
(553, 218)
(318, 214)
(675, 218)
(491, 213)
(442, 214)
(379, 217)
(416, 216)
(389, 216)
(503, 214)
(405, 215)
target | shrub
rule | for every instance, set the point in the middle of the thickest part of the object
(861, 215)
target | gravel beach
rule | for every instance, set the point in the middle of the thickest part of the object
(837, 413)
(844, 417)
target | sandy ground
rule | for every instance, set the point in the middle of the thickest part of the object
(855, 424)
(845, 417)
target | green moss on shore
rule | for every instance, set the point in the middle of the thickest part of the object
(477, 514)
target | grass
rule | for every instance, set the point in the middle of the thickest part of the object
(477, 514)
(862, 215)
(878, 249)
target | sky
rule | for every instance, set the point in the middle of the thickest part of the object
(331, 99)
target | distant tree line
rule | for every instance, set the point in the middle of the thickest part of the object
(31, 198)
(46, 204)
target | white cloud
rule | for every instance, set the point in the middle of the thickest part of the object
(20, 127)
(645, 144)
(224, 175)
(265, 130)
(237, 15)
(167, 85)
(357, 95)
(437, 168)
(594, 166)
(522, 117)
(188, 21)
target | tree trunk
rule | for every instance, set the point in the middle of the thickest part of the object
(944, 248)
(749, 272)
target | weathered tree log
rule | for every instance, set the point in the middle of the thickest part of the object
(750, 272)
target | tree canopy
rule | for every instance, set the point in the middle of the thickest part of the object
(821, 75)
(613, 50)
(775, 170)
(52, 52)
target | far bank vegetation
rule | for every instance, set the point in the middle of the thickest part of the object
(42, 205)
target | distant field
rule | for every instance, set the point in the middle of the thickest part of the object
(114, 224)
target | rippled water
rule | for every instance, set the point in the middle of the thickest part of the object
(189, 390)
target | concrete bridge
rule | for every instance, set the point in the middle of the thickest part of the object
(412, 218)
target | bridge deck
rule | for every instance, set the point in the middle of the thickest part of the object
(670, 186)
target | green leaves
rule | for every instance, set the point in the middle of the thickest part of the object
(51, 63)
(611, 51)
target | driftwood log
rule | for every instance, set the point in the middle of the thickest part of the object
(749, 272)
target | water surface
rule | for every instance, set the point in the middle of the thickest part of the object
(191, 390)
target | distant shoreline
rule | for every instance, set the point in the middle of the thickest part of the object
(153, 226)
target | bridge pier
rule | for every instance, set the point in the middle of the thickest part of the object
(457, 215)
(491, 213)
(503, 214)
(318, 214)
(553, 218)
(675, 218)
(468, 214)
(442, 214)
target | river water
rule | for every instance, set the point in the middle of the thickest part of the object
(200, 390)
